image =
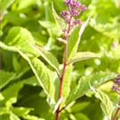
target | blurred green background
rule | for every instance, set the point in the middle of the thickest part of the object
(21, 97)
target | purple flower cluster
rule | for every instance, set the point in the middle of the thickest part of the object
(75, 4)
(74, 9)
(117, 84)
(117, 80)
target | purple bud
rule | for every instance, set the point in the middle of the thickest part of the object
(67, 19)
(67, 2)
(77, 22)
(83, 7)
(116, 88)
(64, 13)
(117, 80)
(71, 2)
(74, 12)
(76, 4)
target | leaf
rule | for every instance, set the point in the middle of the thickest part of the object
(85, 82)
(32, 117)
(22, 39)
(102, 23)
(83, 27)
(49, 57)
(14, 18)
(3, 111)
(23, 43)
(10, 99)
(73, 42)
(9, 78)
(5, 117)
(106, 104)
(65, 87)
(67, 82)
(80, 56)
(43, 75)
(21, 111)
(59, 21)
(14, 117)
(4, 4)
(16, 64)
(74, 39)
(79, 116)
(83, 104)
(14, 89)
(8, 48)
(51, 27)
(6, 77)
(22, 4)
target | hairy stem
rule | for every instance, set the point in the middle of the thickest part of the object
(117, 110)
(63, 71)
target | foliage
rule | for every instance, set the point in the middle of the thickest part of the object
(31, 57)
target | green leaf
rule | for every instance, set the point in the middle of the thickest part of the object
(80, 56)
(43, 75)
(106, 104)
(74, 39)
(84, 25)
(59, 21)
(10, 77)
(33, 99)
(6, 77)
(14, 117)
(49, 57)
(8, 48)
(22, 39)
(14, 18)
(9, 99)
(67, 82)
(16, 64)
(4, 4)
(21, 111)
(73, 42)
(79, 116)
(65, 87)
(22, 4)
(83, 104)
(14, 89)
(5, 117)
(32, 117)
(105, 23)
(3, 111)
(85, 82)
(51, 27)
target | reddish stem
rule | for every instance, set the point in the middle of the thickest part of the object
(64, 68)
(117, 110)
(61, 81)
